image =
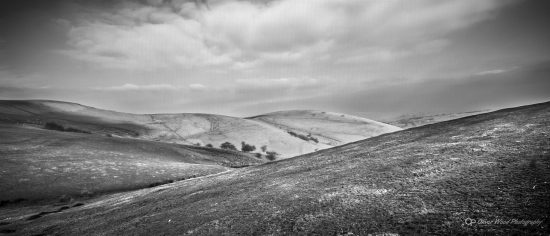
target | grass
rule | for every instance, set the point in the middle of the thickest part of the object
(425, 180)
(33, 113)
(186, 128)
(44, 165)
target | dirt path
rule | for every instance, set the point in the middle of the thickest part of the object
(288, 128)
(214, 123)
(166, 126)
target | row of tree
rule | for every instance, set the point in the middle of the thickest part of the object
(245, 147)
(58, 127)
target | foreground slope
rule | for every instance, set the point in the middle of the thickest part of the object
(192, 128)
(417, 181)
(43, 164)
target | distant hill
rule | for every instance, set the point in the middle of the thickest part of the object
(425, 180)
(40, 164)
(329, 128)
(284, 132)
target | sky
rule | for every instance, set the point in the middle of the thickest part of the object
(371, 58)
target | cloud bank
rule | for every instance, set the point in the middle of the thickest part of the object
(241, 57)
(250, 34)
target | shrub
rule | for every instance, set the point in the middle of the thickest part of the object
(228, 145)
(65, 198)
(209, 145)
(258, 155)
(70, 129)
(303, 137)
(312, 138)
(272, 155)
(198, 144)
(247, 147)
(264, 148)
(58, 127)
(54, 126)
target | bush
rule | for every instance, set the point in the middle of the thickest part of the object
(69, 129)
(54, 126)
(65, 198)
(58, 127)
(209, 145)
(313, 138)
(264, 148)
(247, 147)
(303, 137)
(272, 155)
(258, 155)
(228, 146)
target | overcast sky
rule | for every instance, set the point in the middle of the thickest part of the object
(369, 58)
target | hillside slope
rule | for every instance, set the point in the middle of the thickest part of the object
(42, 164)
(203, 129)
(426, 180)
(414, 120)
(332, 129)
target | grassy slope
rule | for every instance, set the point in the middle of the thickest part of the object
(415, 120)
(74, 115)
(422, 180)
(190, 128)
(217, 129)
(42, 164)
(332, 129)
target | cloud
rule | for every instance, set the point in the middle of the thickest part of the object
(143, 47)
(262, 84)
(197, 86)
(524, 85)
(134, 87)
(241, 35)
(495, 71)
(273, 54)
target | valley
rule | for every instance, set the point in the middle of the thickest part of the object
(425, 180)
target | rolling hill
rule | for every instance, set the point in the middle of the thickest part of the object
(40, 164)
(444, 178)
(329, 128)
(285, 132)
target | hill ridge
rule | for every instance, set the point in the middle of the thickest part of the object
(201, 128)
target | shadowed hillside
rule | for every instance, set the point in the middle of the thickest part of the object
(203, 129)
(425, 180)
(41, 164)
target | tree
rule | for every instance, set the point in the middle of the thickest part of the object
(54, 126)
(228, 145)
(58, 127)
(209, 145)
(247, 147)
(264, 148)
(272, 155)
